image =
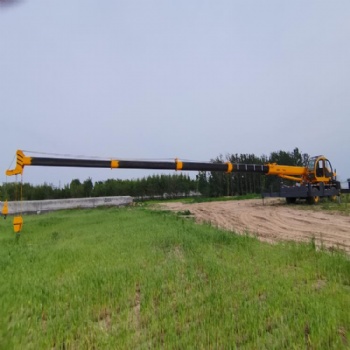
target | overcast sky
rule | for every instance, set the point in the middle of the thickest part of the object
(163, 79)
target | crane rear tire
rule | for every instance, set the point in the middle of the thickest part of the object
(313, 199)
(333, 198)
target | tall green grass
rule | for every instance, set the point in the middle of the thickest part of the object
(135, 278)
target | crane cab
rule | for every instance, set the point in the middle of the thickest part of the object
(319, 169)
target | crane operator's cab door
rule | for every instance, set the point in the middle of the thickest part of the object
(320, 169)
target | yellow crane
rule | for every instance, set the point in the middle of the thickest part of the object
(314, 181)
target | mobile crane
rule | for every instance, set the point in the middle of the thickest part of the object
(314, 181)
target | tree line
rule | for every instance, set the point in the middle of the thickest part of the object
(215, 184)
(209, 184)
(151, 186)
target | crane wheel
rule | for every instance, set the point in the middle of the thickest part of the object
(313, 199)
(333, 198)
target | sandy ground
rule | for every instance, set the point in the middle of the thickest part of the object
(272, 221)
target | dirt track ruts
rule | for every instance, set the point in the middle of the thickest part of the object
(272, 221)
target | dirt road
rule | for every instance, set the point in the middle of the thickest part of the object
(274, 221)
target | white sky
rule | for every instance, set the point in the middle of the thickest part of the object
(163, 79)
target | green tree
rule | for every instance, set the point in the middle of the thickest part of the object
(88, 187)
(76, 189)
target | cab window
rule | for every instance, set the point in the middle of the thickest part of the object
(319, 168)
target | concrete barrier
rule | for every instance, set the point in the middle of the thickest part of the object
(71, 203)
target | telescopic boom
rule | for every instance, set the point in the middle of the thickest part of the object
(292, 172)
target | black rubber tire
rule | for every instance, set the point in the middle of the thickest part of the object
(313, 200)
(333, 198)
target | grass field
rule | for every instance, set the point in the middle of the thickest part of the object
(133, 278)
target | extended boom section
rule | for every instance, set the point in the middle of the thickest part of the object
(23, 161)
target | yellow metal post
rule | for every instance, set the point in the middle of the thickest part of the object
(5, 210)
(17, 223)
